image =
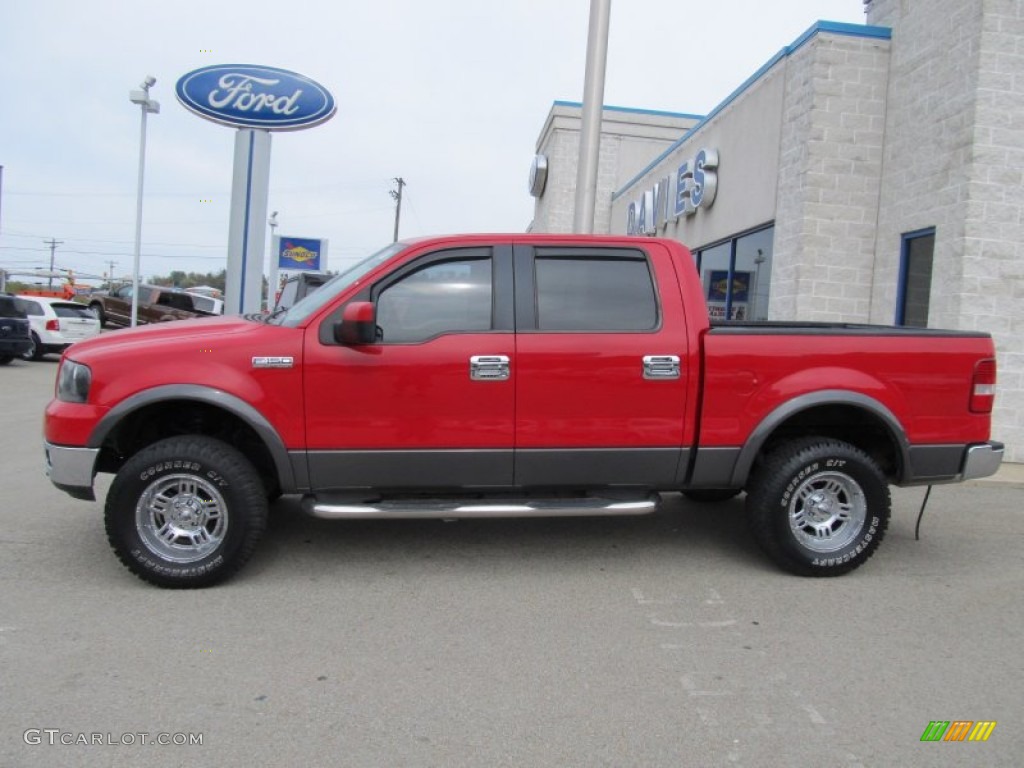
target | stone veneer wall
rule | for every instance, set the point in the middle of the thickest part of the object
(553, 211)
(828, 183)
(954, 160)
(629, 138)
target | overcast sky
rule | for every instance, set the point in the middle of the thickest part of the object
(451, 95)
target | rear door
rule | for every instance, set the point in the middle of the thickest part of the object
(600, 378)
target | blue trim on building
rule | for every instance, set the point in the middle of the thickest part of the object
(245, 226)
(832, 27)
(901, 284)
(631, 110)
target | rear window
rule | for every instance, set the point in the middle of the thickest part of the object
(595, 293)
(29, 307)
(176, 300)
(9, 307)
(72, 310)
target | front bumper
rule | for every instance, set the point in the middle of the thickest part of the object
(72, 469)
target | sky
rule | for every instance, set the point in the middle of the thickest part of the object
(450, 95)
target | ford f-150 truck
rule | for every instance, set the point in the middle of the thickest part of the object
(518, 375)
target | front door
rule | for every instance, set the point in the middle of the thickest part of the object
(431, 403)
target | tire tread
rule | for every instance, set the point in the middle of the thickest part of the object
(246, 485)
(772, 477)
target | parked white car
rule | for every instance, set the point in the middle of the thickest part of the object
(56, 324)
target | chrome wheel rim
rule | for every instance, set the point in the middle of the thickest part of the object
(181, 518)
(827, 511)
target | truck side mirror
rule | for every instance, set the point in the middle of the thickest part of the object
(358, 324)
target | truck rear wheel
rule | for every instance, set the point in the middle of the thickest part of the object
(818, 507)
(186, 512)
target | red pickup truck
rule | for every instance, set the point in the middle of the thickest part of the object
(519, 375)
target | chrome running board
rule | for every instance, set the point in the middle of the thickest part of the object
(470, 508)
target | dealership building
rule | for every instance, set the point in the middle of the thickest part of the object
(866, 173)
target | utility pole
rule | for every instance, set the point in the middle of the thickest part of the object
(53, 247)
(397, 195)
(110, 274)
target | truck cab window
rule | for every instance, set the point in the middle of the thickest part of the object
(445, 297)
(595, 294)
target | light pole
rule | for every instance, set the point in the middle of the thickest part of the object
(272, 267)
(148, 105)
(593, 109)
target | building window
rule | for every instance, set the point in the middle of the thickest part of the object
(915, 287)
(736, 275)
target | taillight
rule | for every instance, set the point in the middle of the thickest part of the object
(53, 325)
(983, 386)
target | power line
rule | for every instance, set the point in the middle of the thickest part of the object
(33, 235)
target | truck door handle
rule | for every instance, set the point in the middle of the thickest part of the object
(661, 366)
(489, 368)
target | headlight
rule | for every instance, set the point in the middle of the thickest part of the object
(73, 382)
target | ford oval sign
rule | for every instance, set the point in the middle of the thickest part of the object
(248, 96)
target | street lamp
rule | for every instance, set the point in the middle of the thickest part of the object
(272, 267)
(148, 105)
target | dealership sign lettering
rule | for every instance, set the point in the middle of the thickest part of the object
(248, 96)
(683, 192)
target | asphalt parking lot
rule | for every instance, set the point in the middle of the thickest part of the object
(666, 640)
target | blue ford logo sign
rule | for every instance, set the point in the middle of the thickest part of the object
(247, 96)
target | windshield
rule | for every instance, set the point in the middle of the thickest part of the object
(319, 298)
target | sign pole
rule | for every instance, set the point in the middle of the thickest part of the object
(243, 288)
(256, 100)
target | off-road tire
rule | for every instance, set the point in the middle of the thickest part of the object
(186, 512)
(818, 506)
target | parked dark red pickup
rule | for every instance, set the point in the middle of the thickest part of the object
(156, 304)
(512, 376)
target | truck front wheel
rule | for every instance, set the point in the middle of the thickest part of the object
(818, 507)
(185, 512)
